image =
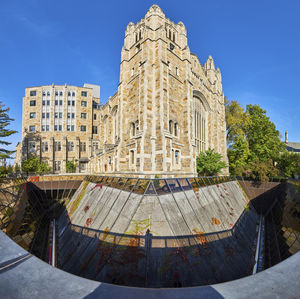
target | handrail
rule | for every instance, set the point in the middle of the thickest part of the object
(259, 246)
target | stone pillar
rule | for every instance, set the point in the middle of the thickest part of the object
(65, 154)
(77, 152)
(89, 152)
(52, 153)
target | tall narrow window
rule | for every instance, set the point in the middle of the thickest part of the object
(57, 146)
(132, 129)
(45, 146)
(199, 125)
(176, 129)
(57, 165)
(82, 146)
(95, 146)
(31, 145)
(95, 130)
(171, 127)
(70, 146)
(132, 157)
(176, 156)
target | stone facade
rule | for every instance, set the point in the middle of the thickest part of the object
(60, 124)
(168, 107)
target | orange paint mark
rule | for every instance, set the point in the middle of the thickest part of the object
(215, 221)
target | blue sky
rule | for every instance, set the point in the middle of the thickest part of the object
(256, 44)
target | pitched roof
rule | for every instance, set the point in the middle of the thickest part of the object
(293, 147)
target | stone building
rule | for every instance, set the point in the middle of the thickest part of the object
(167, 109)
(291, 146)
(60, 124)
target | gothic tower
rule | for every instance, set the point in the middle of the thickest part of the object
(171, 107)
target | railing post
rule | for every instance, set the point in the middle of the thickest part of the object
(148, 245)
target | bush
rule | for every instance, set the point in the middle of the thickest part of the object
(210, 163)
(33, 164)
(71, 166)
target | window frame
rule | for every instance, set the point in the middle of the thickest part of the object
(32, 113)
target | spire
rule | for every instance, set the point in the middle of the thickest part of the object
(286, 137)
(154, 10)
(210, 65)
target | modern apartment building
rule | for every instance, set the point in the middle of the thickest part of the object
(60, 124)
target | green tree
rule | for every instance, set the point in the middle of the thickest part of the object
(71, 166)
(30, 164)
(10, 168)
(289, 164)
(33, 165)
(263, 138)
(238, 155)
(210, 163)
(3, 171)
(261, 170)
(236, 120)
(4, 131)
(17, 168)
(254, 144)
(43, 167)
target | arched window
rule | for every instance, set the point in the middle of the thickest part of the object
(171, 126)
(140, 34)
(200, 124)
(114, 113)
